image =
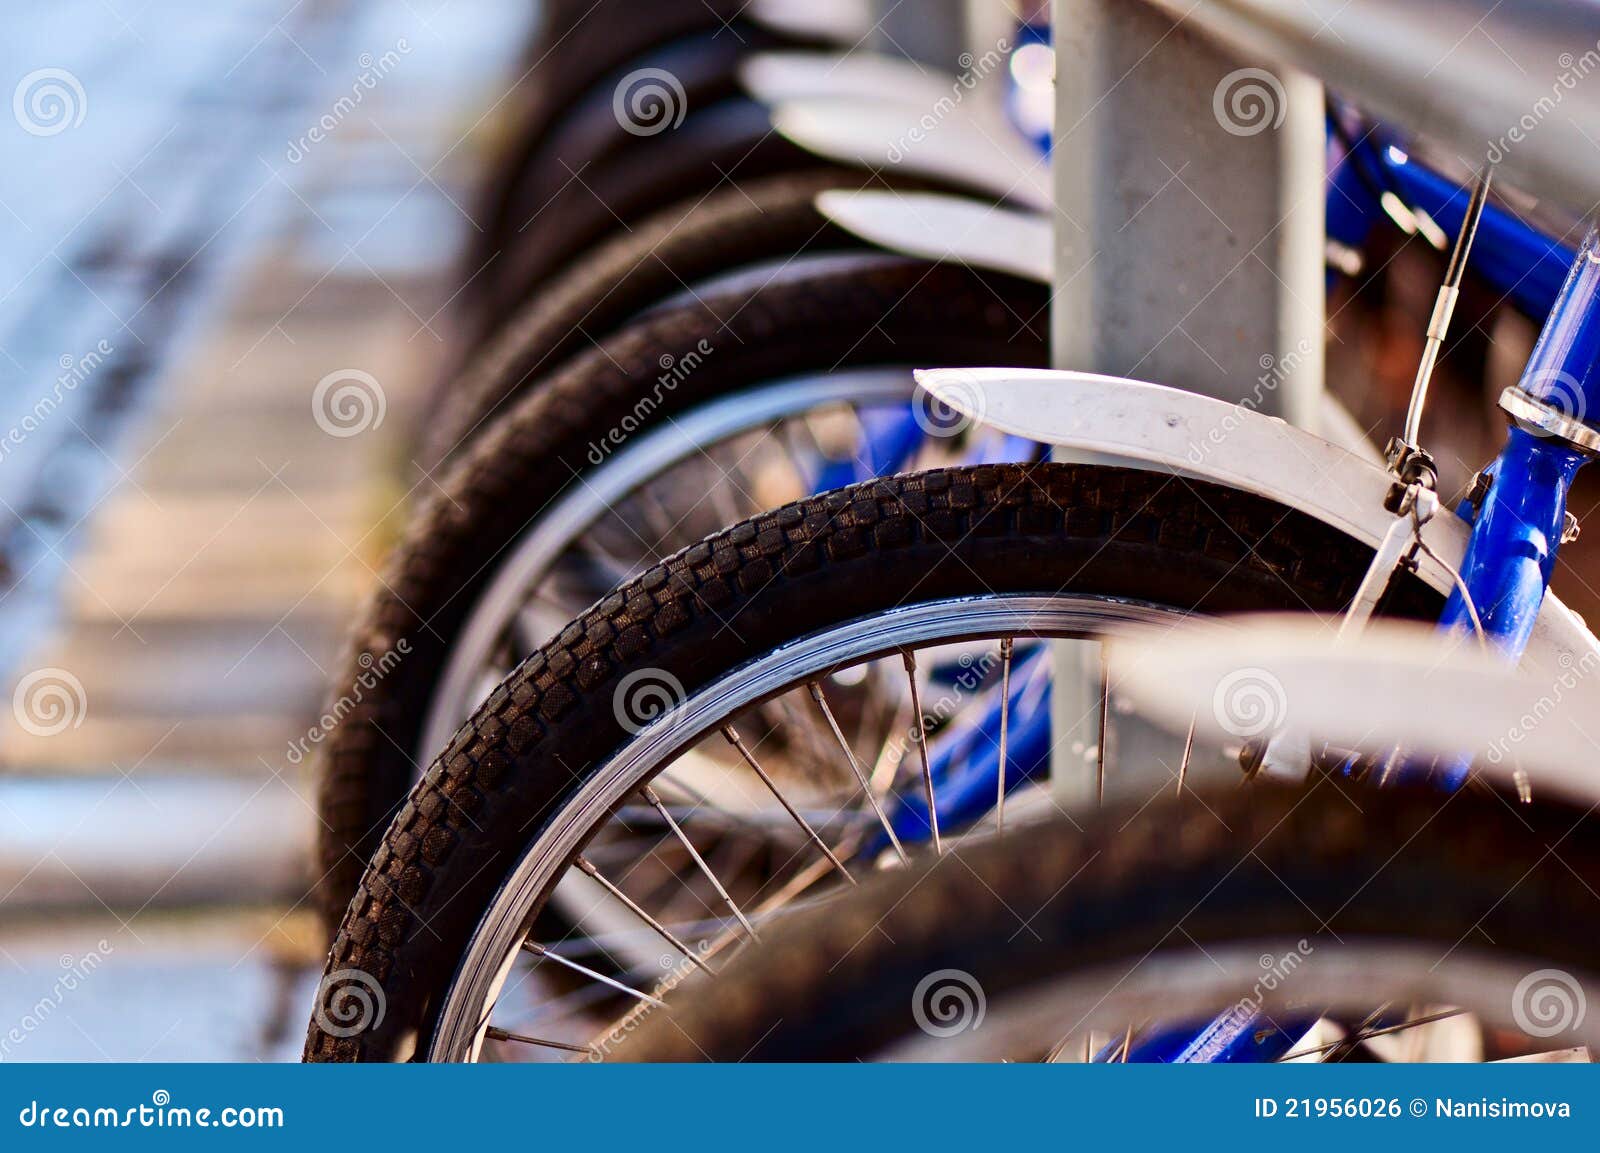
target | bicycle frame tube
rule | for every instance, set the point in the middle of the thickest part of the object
(1513, 258)
(1518, 524)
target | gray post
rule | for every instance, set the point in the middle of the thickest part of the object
(928, 31)
(1189, 252)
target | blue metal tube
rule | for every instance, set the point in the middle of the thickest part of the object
(965, 765)
(1514, 258)
(1517, 529)
(1239, 1036)
(1514, 539)
(1564, 370)
(889, 438)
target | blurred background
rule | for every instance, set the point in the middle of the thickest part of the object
(205, 210)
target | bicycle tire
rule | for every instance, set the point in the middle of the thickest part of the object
(1235, 867)
(1050, 528)
(576, 48)
(761, 221)
(836, 320)
(706, 68)
(730, 141)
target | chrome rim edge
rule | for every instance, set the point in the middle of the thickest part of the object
(475, 984)
(1339, 976)
(580, 507)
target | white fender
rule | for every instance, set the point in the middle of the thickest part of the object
(843, 21)
(862, 77)
(1173, 430)
(936, 226)
(953, 142)
(1396, 683)
(943, 226)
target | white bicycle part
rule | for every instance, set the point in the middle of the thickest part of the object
(844, 21)
(936, 226)
(940, 226)
(1168, 429)
(1395, 684)
(962, 147)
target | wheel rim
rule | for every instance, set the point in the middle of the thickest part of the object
(494, 948)
(1088, 1011)
(637, 463)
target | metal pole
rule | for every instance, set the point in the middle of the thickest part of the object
(1189, 252)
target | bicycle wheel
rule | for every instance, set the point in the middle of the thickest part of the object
(599, 123)
(563, 439)
(1409, 925)
(732, 140)
(576, 49)
(770, 641)
(759, 222)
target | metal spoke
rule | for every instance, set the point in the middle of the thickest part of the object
(733, 738)
(855, 767)
(1188, 750)
(1105, 726)
(910, 660)
(1357, 1038)
(891, 750)
(683, 839)
(658, 521)
(539, 950)
(495, 1034)
(1005, 717)
(804, 879)
(665, 933)
(1352, 1040)
(788, 433)
(594, 566)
